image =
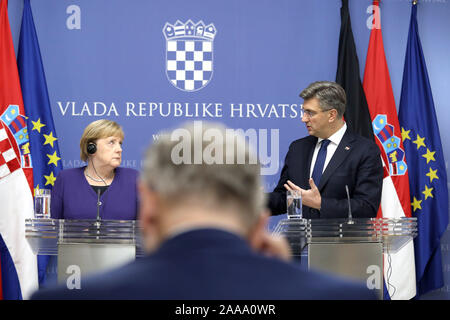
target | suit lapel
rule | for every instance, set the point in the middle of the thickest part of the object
(343, 150)
(308, 154)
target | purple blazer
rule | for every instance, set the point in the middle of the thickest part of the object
(73, 197)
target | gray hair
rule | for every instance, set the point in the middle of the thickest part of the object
(330, 95)
(226, 182)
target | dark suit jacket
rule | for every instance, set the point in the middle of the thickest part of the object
(355, 163)
(209, 264)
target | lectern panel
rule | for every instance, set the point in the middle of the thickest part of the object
(85, 259)
(359, 261)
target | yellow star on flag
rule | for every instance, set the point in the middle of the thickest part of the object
(53, 159)
(416, 204)
(432, 174)
(405, 134)
(49, 139)
(427, 192)
(37, 125)
(419, 142)
(429, 155)
(50, 179)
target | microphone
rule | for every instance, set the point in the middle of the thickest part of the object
(98, 205)
(350, 218)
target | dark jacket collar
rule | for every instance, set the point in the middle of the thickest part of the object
(204, 239)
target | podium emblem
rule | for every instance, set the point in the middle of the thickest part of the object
(189, 54)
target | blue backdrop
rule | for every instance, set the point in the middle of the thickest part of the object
(108, 59)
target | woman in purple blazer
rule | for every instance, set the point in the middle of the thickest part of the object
(77, 191)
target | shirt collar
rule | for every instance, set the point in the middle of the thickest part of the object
(337, 136)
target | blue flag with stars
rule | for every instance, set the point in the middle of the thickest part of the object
(44, 148)
(427, 175)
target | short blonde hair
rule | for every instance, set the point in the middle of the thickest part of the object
(97, 130)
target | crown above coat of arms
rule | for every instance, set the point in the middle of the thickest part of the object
(190, 30)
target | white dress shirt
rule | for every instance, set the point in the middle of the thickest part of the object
(335, 139)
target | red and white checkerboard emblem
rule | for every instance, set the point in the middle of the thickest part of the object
(189, 54)
(8, 159)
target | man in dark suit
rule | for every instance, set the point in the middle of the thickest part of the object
(204, 226)
(330, 160)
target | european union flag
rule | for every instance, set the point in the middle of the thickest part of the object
(427, 175)
(42, 135)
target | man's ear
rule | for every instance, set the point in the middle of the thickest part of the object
(256, 235)
(333, 115)
(149, 216)
(148, 204)
(265, 243)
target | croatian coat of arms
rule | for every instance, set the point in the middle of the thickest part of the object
(189, 54)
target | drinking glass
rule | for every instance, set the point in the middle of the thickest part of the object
(42, 203)
(294, 204)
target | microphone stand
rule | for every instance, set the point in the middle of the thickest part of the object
(98, 222)
(350, 218)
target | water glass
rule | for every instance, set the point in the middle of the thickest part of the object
(294, 204)
(42, 203)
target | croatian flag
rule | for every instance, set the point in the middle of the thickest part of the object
(17, 262)
(399, 267)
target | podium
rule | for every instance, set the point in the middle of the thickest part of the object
(84, 247)
(348, 247)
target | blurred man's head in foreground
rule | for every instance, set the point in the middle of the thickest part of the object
(201, 175)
